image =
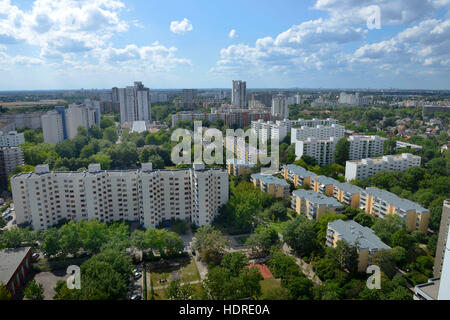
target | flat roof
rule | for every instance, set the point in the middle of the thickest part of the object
(10, 259)
(352, 232)
(240, 162)
(431, 288)
(269, 179)
(317, 198)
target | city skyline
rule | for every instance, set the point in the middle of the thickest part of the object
(316, 44)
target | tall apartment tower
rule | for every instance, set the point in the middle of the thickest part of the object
(135, 103)
(280, 107)
(53, 127)
(239, 94)
(442, 241)
(80, 116)
(189, 95)
(10, 158)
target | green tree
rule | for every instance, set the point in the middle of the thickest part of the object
(4, 293)
(300, 235)
(34, 291)
(365, 219)
(50, 243)
(262, 240)
(110, 134)
(342, 153)
(234, 262)
(211, 244)
(177, 291)
(385, 228)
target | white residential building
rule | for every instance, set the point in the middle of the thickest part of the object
(280, 107)
(80, 116)
(444, 289)
(270, 130)
(318, 132)
(362, 169)
(362, 147)
(135, 103)
(239, 94)
(42, 198)
(11, 139)
(307, 123)
(320, 149)
(53, 128)
(10, 159)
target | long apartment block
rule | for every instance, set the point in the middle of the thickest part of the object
(362, 147)
(320, 149)
(367, 242)
(307, 123)
(313, 204)
(297, 175)
(381, 203)
(272, 185)
(42, 198)
(442, 240)
(365, 168)
(270, 130)
(318, 132)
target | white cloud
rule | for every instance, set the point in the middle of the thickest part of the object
(77, 33)
(232, 34)
(181, 27)
(327, 44)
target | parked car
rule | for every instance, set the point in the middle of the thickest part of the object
(9, 218)
(35, 256)
(137, 275)
(136, 297)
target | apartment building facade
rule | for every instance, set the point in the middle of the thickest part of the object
(320, 149)
(380, 203)
(272, 185)
(237, 167)
(362, 147)
(298, 175)
(239, 93)
(10, 159)
(135, 103)
(269, 130)
(362, 169)
(442, 240)
(53, 127)
(42, 198)
(11, 139)
(280, 107)
(318, 132)
(314, 205)
(368, 244)
(347, 194)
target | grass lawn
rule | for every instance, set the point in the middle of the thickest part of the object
(187, 270)
(269, 284)
(161, 293)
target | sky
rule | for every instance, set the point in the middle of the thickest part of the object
(72, 44)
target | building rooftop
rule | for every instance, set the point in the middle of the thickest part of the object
(394, 200)
(389, 158)
(352, 232)
(429, 290)
(139, 126)
(9, 261)
(317, 198)
(350, 188)
(300, 171)
(268, 179)
(325, 180)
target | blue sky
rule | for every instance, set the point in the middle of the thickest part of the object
(69, 44)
